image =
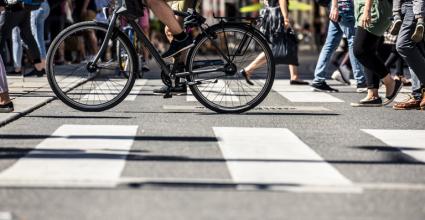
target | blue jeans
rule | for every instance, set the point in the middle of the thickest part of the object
(38, 18)
(335, 32)
(413, 53)
(416, 85)
(17, 48)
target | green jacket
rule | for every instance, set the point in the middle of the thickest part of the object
(381, 13)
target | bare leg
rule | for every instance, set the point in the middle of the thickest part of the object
(4, 98)
(389, 83)
(165, 15)
(372, 93)
(293, 70)
(257, 63)
(170, 38)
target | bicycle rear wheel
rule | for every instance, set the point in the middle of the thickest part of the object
(91, 89)
(227, 91)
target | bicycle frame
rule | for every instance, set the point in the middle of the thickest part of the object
(155, 54)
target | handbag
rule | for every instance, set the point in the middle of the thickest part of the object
(285, 47)
(284, 42)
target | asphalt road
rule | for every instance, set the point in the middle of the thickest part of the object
(155, 158)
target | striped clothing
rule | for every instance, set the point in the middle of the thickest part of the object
(3, 80)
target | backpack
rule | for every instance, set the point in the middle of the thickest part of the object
(32, 4)
(324, 3)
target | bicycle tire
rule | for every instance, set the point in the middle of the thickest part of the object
(92, 25)
(266, 49)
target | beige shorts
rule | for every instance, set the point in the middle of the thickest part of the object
(182, 5)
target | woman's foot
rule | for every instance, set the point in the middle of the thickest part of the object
(403, 79)
(395, 90)
(298, 82)
(6, 108)
(246, 76)
(408, 104)
(374, 101)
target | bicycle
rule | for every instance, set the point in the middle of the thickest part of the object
(212, 67)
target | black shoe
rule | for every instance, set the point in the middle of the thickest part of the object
(14, 73)
(397, 88)
(35, 72)
(178, 46)
(145, 68)
(298, 83)
(323, 87)
(7, 108)
(179, 89)
(374, 102)
(243, 73)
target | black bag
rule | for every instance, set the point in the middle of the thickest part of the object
(132, 9)
(285, 47)
(284, 42)
(324, 3)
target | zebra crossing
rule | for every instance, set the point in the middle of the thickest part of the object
(95, 155)
(74, 156)
(275, 158)
(294, 94)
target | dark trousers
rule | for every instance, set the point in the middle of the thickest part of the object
(21, 19)
(366, 46)
(389, 53)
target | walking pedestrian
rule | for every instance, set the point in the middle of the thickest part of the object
(19, 15)
(389, 53)
(419, 14)
(38, 17)
(372, 18)
(277, 20)
(413, 53)
(342, 22)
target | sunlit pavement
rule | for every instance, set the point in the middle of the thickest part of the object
(300, 155)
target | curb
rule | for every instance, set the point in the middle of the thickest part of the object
(16, 115)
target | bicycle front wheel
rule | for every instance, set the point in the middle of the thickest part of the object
(84, 88)
(217, 82)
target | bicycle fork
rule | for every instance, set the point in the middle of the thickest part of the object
(92, 66)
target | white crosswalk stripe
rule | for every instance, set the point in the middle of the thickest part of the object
(277, 156)
(301, 93)
(216, 92)
(108, 90)
(137, 88)
(410, 142)
(74, 156)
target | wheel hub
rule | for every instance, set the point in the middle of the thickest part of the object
(230, 69)
(91, 67)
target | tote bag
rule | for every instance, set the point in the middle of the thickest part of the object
(285, 47)
(284, 42)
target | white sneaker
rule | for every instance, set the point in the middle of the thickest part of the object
(336, 75)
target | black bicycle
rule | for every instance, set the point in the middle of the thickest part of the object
(99, 81)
